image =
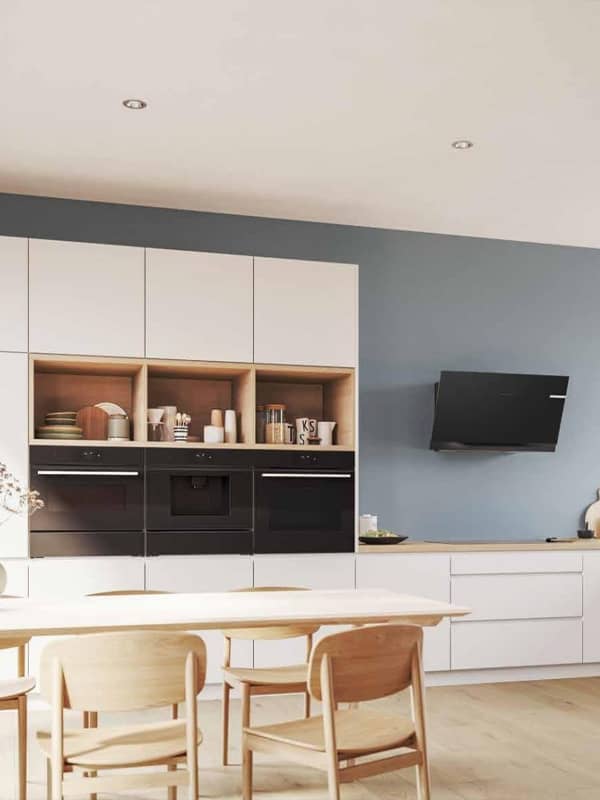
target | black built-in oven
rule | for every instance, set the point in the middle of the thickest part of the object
(198, 501)
(304, 502)
(93, 501)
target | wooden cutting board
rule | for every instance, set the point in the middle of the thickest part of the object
(93, 421)
(592, 516)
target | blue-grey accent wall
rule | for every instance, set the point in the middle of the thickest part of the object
(427, 302)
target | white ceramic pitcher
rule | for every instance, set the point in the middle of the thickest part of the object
(325, 432)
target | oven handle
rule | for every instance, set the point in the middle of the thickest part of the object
(305, 475)
(102, 472)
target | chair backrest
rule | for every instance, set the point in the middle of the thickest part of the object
(122, 671)
(367, 663)
(125, 592)
(272, 631)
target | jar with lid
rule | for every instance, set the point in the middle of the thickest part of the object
(275, 423)
(261, 422)
(118, 427)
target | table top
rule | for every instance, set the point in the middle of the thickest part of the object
(211, 610)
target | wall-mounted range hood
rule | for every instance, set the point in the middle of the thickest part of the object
(498, 411)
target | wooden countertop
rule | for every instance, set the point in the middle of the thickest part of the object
(414, 546)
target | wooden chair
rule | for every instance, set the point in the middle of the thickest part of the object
(90, 718)
(128, 671)
(13, 697)
(260, 681)
(351, 667)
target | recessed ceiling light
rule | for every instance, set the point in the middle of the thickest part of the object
(462, 144)
(135, 104)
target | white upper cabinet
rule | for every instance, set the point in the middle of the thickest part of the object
(86, 299)
(13, 296)
(199, 306)
(305, 312)
(13, 445)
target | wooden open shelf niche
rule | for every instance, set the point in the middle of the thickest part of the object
(196, 388)
(322, 393)
(68, 383)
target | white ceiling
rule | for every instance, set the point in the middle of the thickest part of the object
(330, 110)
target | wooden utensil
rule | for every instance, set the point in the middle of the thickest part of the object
(93, 421)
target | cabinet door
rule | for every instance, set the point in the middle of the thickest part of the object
(305, 312)
(70, 578)
(591, 608)
(327, 571)
(86, 299)
(205, 574)
(13, 297)
(425, 575)
(13, 446)
(199, 306)
(16, 584)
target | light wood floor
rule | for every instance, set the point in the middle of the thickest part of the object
(519, 741)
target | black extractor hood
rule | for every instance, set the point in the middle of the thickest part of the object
(498, 411)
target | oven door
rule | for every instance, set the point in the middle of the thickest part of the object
(193, 499)
(304, 511)
(88, 498)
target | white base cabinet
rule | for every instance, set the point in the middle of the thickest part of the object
(427, 575)
(322, 571)
(591, 608)
(205, 574)
(59, 579)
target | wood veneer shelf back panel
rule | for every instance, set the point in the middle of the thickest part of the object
(69, 384)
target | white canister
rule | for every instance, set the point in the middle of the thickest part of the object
(213, 434)
(367, 523)
(230, 426)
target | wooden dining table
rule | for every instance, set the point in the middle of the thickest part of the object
(215, 610)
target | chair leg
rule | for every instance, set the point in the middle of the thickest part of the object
(194, 791)
(423, 782)
(48, 780)
(171, 790)
(333, 781)
(225, 724)
(245, 705)
(22, 723)
(92, 722)
(306, 705)
(246, 770)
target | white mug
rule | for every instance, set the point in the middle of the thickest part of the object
(325, 431)
(302, 430)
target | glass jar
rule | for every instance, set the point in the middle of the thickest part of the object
(275, 423)
(261, 422)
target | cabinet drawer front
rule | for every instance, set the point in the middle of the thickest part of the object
(519, 596)
(516, 643)
(499, 563)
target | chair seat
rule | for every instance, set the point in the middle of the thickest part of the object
(358, 732)
(126, 745)
(15, 687)
(265, 676)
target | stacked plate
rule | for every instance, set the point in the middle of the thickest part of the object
(60, 425)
